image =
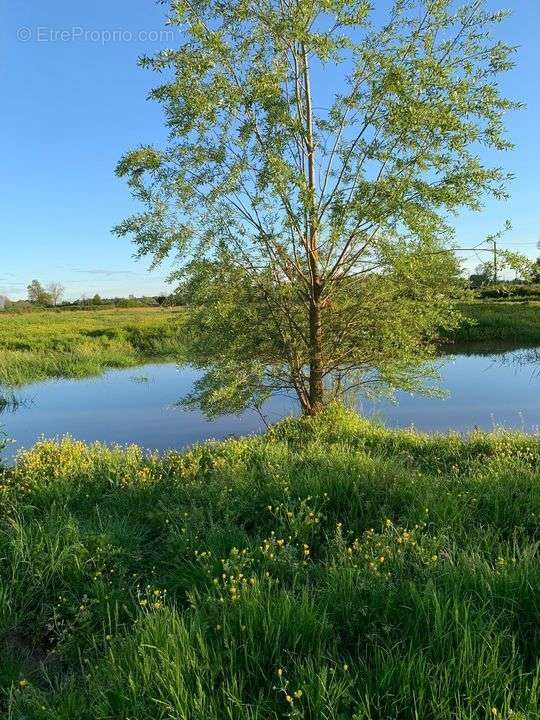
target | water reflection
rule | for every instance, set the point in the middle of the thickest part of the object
(488, 386)
(125, 406)
(485, 387)
(10, 402)
(525, 359)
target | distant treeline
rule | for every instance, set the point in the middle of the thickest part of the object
(91, 303)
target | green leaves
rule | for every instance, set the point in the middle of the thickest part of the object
(138, 161)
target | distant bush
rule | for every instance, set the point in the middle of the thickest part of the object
(510, 291)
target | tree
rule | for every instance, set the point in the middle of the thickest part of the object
(37, 294)
(507, 261)
(314, 157)
(55, 291)
(96, 300)
(480, 276)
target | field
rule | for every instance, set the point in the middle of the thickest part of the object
(329, 569)
(40, 345)
(500, 321)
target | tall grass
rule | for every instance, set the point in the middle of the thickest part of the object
(330, 569)
(41, 345)
(491, 321)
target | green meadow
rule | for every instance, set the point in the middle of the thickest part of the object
(328, 569)
(40, 345)
(500, 321)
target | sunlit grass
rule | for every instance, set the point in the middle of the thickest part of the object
(40, 345)
(500, 322)
(328, 569)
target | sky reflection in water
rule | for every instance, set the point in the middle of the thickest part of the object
(137, 405)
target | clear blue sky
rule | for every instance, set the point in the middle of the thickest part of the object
(74, 103)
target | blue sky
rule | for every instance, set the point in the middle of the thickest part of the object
(74, 102)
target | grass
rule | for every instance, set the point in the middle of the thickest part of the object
(492, 321)
(40, 345)
(330, 569)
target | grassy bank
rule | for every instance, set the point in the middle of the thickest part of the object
(499, 321)
(40, 345)
(328, 569)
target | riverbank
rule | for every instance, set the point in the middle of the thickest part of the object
(500, 321)
(40, 345)
(329, 568)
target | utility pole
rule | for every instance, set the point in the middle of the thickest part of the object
(493, 240)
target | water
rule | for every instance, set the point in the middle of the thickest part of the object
(138, 405)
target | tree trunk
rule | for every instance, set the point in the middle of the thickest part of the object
(316, 370)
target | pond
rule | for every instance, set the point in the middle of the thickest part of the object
(138, 405)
